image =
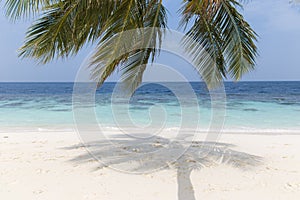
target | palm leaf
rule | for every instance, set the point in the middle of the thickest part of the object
(226, 41)
(24, 8)
(130, 53)
(64, 27)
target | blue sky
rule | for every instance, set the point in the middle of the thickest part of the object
(276, 21)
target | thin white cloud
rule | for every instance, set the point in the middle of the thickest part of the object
(277, 15)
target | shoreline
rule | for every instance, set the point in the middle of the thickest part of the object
(108, 129)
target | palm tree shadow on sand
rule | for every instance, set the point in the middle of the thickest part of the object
(153, 153)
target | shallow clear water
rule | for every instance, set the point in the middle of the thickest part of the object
(251, 106)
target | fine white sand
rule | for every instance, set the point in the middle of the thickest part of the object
(54, 165)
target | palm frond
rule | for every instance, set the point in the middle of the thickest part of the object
(130, 53)
(224, 35)
(16, 9)
(64, 27)
(133, 69)
(225, 41)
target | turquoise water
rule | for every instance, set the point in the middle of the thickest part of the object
(250, 106)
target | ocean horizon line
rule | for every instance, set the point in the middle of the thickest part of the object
(249, 81)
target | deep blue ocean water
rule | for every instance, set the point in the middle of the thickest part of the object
(250, 106)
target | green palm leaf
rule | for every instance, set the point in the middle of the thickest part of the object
(226, 42)
(24, 8)
(64, 27)
(134, 56)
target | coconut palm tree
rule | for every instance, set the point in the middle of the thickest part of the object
(62, 27)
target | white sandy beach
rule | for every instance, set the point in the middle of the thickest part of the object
(47, 165)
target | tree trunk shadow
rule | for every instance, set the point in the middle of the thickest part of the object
(185, 189)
